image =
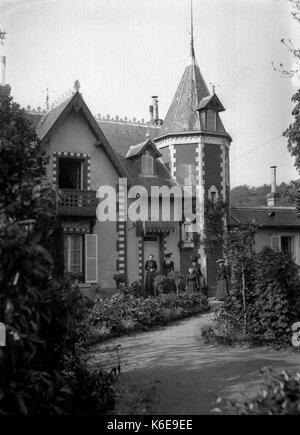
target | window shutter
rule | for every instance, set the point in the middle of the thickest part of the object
(275, 243)
(91, 258)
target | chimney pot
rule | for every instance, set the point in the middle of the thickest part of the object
(3, 70)
(273, 179)
(151, 112)
(155, 107)
(273, 197)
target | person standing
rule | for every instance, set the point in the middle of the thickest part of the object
(192, 281)
(167, 269)
(197, 269)
(222, 280)
(151, 268)
(167, 264)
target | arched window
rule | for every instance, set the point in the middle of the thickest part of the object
(147, 164)
(213, 194)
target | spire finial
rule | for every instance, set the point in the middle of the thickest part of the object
(192, 33)
(76, 86)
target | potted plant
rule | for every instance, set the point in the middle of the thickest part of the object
(119, 279)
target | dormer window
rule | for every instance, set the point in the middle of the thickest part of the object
(147, 163)
(211, 120)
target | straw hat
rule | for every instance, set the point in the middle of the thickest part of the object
(221, 260)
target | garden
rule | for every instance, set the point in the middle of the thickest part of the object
(126, 313)
(263, 305)
(48, 323)
(264, 299)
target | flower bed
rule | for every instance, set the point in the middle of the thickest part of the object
(122, 314)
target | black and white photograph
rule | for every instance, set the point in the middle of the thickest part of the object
(149, 210)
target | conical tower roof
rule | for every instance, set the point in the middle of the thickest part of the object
(182, 115)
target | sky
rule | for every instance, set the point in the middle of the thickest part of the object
(124, 51)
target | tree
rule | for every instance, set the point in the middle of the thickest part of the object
(39, 311)
(292, 133)
(240, 252)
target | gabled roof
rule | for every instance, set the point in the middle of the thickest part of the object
(47, 121)
(182, 115)
(211, 102)
(135, 150)
(265, 217)
(50, 121)
(162, 177)
(121, 135)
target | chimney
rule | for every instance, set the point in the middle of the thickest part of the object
(4, 88)
(273, 197)
(151, 112)
(3, 70)
(155, 108)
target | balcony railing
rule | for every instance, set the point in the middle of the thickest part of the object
(77, 202)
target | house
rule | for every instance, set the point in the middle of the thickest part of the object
(81, 161)
(277, 227)
(189, 148)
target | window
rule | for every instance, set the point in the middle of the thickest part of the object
(188, 235)
(211, 120)
(147, 164)
(282, 243)
(286, 244)
(213, 194)
(70, 174)
(73, 254)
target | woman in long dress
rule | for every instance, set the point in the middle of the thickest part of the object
(192, 281)
(167, 269)
(222, 280)
(197, 269)
(151, 268)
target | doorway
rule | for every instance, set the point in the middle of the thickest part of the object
(152, 246)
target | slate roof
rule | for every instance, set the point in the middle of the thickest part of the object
(135, 150)
(182, 115)
(48, 120)
(266, 217)
(121, 135)
(33, 118)
(162, 178)
(212, 101)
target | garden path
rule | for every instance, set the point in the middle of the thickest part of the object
(172, 371)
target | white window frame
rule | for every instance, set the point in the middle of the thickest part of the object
(69, 251)
(293, 242)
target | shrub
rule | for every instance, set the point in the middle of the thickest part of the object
(123, 313)
(280, 396)
(39, 365)
(272, 303)
(277, 296)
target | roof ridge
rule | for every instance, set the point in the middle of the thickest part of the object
(125, 120)
(34, 111)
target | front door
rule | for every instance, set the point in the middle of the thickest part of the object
(151, 246)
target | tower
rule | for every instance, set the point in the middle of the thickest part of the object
(196, 145)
